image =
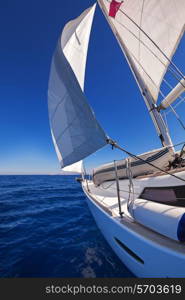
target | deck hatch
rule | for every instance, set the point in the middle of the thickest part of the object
(170, 195)
(129, 251)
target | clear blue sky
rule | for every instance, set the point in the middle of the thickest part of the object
(29, 32)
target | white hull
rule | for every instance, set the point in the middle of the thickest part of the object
(145, 252)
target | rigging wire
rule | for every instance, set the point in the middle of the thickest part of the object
(170, 69)
(175, 113)
(169, 60)
(177, 116)
(180, 102)
(165, 120)
(175, 145)
(176, 69)
(182, 99)
(172, 109)
(114, 144)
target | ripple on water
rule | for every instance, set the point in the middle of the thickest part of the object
(47, 230)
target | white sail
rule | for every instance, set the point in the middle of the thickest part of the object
(163, 21)
(75, 40)
(76, 167)
(75, 130)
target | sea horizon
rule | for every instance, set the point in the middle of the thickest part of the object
(35, 174)
(47, 230)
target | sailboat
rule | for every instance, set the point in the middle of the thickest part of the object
(138, 202)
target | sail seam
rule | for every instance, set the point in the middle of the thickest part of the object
(139, 54)
(57, 106)
(162, 52)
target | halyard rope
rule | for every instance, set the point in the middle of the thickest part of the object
(114, 144)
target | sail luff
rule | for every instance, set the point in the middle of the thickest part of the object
(168, 59)
(151, 30)
(71, 57)
(155, 115)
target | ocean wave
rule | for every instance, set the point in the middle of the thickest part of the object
(47, 230)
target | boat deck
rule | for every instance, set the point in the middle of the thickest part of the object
(106, 193)
(108, 198)
(108, 201)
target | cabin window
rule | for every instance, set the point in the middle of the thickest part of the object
(129, 251)
(168, 195)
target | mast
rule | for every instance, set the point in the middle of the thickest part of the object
(150, 103)
(152, 107)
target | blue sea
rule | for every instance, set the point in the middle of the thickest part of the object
(46, 230)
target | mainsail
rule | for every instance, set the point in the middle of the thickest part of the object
(148, 33)
(75, 130)
(151, 31)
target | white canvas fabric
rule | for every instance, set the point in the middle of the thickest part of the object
(75, 130)
(75, 40)
(162, 20)
(76, 167)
